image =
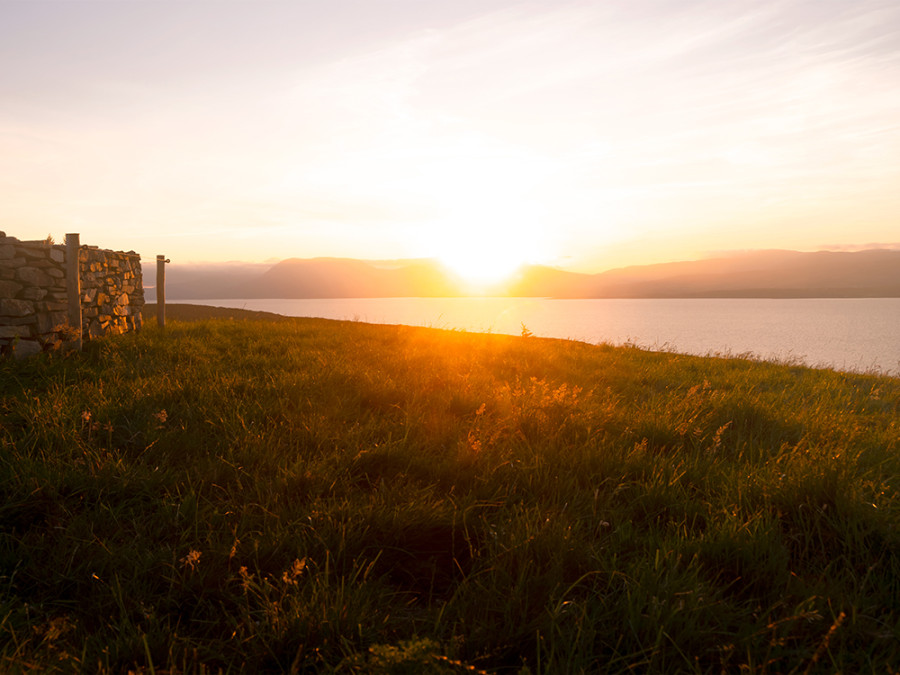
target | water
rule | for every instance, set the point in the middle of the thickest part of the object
(858, 334)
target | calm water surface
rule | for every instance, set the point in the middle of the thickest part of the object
(847, 334)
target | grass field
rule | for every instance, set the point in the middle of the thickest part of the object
(320, 496)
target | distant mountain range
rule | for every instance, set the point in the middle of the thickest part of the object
(767, 274)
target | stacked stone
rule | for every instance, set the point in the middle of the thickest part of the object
(34, 299)
(33, 305)
(112, 291)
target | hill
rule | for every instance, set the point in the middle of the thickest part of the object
(869, 273)
(342, 278)
(339, 497)
(183, 312)
(204, 280)
(778, 274)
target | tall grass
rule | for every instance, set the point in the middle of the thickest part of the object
(316, 496)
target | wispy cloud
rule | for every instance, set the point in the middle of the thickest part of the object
(601, 121)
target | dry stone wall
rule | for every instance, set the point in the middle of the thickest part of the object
(34, 294)
(112, 291)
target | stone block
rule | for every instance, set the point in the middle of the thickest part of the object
(11, 307)
(9, 289)
(36, 247)
(29, 320)
(58, 255)
(7, 252)
(15, 331)
(55, 272)
(7, 274)
(48, 321)
(12, 262)
(34, 276)
(32, 293)
(25, 348)
(123, 299)
(90, 312)
(54, 306)
(89, 295)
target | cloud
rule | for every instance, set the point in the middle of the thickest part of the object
(894, 246)
(604, 119)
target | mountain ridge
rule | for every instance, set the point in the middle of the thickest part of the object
(767, 273)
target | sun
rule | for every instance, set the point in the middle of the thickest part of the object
(484, 242)
(487, 217)
(484, 239)
(482, 257)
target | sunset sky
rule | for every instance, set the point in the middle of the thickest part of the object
(587, 135)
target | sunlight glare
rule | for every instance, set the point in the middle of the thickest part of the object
(485, 241)
(490, 223)
(479, 262)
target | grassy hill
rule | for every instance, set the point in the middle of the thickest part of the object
(188, 312)
(319, 496)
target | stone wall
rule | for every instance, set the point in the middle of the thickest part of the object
(112, 291)
(34, 295)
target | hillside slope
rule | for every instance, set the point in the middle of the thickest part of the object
(338, 497)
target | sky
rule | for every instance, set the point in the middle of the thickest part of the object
(586, 135)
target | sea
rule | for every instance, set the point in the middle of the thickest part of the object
(848, 334)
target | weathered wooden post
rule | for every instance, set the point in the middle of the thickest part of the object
(161, 261)
(73, 286)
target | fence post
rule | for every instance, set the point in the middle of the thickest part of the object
(73, 285)
(161, 261)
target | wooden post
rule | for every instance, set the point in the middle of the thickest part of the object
(161, 290)
(73, 286)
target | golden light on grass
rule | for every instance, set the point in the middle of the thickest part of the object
(344, 496)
